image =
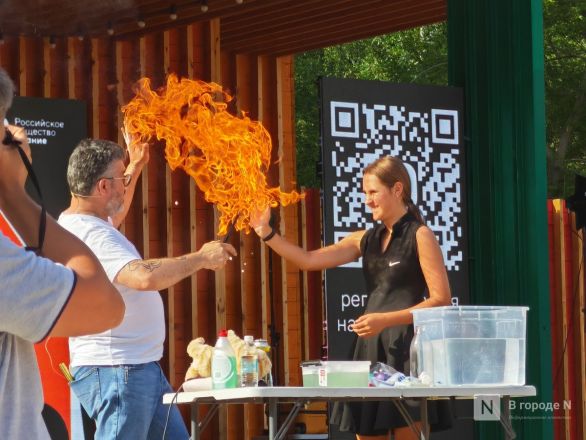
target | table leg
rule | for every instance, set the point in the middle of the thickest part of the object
(286, 424)
(272, 418)
(410, 422)
(194, 423)
(424, 420)
(506, 419)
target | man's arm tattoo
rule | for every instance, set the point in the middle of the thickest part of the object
(148, 265)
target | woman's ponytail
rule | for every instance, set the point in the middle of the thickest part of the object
(414, 210)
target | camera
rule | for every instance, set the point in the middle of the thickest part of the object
(9, 137)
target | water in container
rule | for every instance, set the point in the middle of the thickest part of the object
(249, 364)
(473, 345)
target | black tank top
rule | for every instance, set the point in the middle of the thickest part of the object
(393, 276)
(394, 281)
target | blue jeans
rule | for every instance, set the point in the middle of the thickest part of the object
(126, 402)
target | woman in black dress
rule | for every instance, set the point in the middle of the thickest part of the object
(402, 262)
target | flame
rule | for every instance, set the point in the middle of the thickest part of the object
(226, 155)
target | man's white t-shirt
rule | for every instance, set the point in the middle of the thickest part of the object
(140, 337)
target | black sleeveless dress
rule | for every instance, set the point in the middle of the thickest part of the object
(394, 281)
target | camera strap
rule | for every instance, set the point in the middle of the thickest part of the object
(43, 220)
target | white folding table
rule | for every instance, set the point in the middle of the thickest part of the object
(299, 396)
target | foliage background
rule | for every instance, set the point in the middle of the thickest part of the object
(420, 56)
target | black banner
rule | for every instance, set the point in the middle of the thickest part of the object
(422, 125)
(54, 127)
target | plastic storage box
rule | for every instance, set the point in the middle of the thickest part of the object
(344, 374)
(472, 345)
(310, 373)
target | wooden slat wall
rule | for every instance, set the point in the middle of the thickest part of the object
(249, 246)
(578, 311)
(263, 116)
(567, 286)
(313, 306)
(271, 265)
(31, 66)
(169, 215)
(10, 58)
(291, 280)
(102, 83)
(200, 214)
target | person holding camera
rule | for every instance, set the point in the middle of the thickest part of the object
(57, 287)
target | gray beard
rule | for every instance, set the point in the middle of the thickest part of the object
(114, 207)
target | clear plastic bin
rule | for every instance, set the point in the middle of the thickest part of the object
(473, 345)
(310, 374)
(344, 374)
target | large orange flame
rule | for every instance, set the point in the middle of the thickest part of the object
(228, 156)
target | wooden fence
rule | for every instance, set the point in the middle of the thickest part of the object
(568, 326)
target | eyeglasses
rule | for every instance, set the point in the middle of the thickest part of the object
(126, 179)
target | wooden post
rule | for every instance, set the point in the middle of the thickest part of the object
(101, 109)
(263, 88)
(126, 64)
(250, 281)
(289, 223)
(30, 55)
(307, 318)
(78, 70)
(578, 411)
(220, 276)
(194, 69)
(312, 281)
(146, 46)
(560, 364)
(54, 67)
(169, 45)
(10, 58)
(216, 76)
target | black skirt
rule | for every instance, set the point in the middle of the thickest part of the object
(380, 417)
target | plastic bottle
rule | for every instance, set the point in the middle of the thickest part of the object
(224, 373)
(263, 345)
(249, 364)
(415, 354)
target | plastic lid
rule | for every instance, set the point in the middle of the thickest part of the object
(249, 339)
(222, 333)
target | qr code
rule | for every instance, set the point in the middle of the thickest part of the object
(427, 142)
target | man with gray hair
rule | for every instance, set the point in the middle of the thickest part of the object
(64, 292)
(6, 93)
(117, 377)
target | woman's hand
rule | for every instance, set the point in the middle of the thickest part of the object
(259, 221)
(370, 324)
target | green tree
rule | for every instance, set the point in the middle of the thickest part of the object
(420, 56)
(416, 55)
(564, 24)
